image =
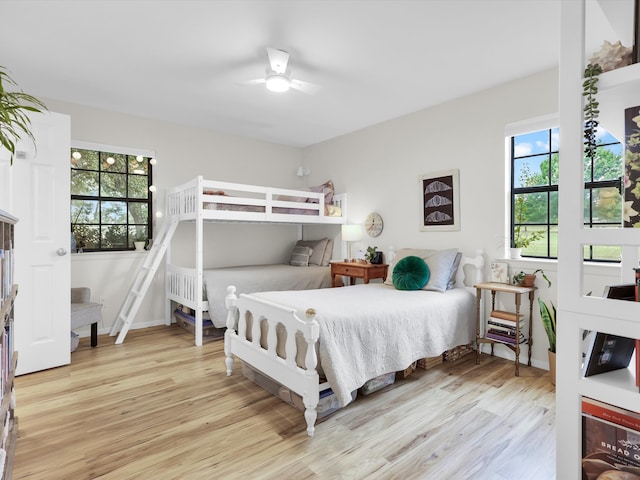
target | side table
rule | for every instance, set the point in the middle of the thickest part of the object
(353, 270)
(517, 291)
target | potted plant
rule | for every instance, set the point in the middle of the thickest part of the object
(14, 113)
(373, 256)
(589, 91)
(529, 279)
(140, 241)
(548, 316)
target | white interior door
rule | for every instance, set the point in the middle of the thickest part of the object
(39, 196)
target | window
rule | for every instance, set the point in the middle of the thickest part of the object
(534, 193)
(110, 198)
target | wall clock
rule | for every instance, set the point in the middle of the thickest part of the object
(373, 224)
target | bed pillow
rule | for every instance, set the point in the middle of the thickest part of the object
(300, 256)
(317, 246)
(410, 273)
(328, 253)
(327, 189)
(440, 264)
(289, 198)
(454, 271)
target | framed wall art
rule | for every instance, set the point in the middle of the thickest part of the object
(499, 272)
(439, 201)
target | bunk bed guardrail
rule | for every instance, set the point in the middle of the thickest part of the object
(216, 200)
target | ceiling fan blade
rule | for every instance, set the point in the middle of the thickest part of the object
(278, 60)
(304, 87)
(257, 81)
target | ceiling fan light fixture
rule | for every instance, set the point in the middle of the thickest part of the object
(277, 83)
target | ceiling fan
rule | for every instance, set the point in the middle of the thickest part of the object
(278, 78)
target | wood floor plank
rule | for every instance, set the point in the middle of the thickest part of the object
(158, 407)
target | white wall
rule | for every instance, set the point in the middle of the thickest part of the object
(182, 154)
(379, 168)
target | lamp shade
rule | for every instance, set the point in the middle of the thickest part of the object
(351, 233)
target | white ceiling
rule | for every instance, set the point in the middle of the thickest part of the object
(183, 61)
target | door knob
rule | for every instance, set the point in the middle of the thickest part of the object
(61, 252)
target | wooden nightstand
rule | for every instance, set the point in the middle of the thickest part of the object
(481, 333)
(366, 271)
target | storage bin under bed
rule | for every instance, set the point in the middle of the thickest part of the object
(327, 404)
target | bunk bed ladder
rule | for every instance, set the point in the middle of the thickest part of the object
(142, 280)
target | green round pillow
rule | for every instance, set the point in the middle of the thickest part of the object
(410, 273)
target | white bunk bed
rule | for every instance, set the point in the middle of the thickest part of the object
(201, 201)
(347, 335)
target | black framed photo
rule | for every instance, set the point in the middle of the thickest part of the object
(439, 201)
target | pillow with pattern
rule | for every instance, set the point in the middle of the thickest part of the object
(300, 256)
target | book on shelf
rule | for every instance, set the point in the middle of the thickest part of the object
(606, 353)
(626, 291)
(638, 363)
(610, 440)
(506, 315)
(503, 336)
(511, 331)
(500, 322)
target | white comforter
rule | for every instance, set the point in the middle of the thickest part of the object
(256, 278)
(369, 330)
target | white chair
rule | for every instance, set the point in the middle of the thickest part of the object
(85, 312)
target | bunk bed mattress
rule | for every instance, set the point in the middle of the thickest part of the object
(330, 210)
(368, 330)
(256, 278)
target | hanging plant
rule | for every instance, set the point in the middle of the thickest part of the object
(591, 112)
(14, 109)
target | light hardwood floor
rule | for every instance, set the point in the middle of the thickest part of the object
(156, 407)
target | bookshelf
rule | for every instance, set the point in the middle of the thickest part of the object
(619, 89)
(8, 359)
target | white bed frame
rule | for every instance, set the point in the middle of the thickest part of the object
(186, 203)
(285, 371)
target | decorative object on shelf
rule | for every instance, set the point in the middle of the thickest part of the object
(606, 353)
(591, 112)
(140, 241)
(631, 212)
(14, 110)
(612, 56)
(548, 316)
(499, 272)
(529, 279)
(373, 224)
(440, 201)
(351, 233)
(515, 253)
(373, 256)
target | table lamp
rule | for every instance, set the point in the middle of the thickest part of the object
(351, 233)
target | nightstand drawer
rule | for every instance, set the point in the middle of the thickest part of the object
(347, 270)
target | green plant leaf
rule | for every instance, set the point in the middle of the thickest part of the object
(548, 316)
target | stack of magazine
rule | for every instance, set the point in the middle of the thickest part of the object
(610, 441)
(502, 327)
